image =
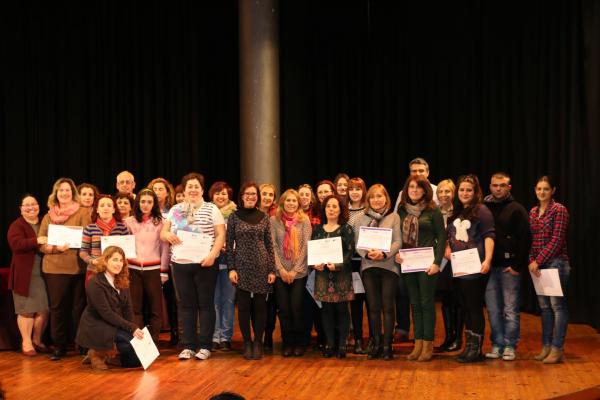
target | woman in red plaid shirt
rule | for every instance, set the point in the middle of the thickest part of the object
(549, 221)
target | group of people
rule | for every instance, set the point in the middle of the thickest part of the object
(256, 256)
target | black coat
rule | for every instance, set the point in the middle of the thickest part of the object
(106, 311)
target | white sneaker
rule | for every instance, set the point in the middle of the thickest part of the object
(509, 354)
(186, 354)
(495, 353)
(203, 354)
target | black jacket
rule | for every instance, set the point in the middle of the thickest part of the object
(513, 236)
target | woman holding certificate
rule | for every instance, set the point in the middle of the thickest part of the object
(194, 269)
(64, 276)
(291, 231)
(471, 227)
(251, 264)
(422, 226)
(151, 264)
(379, 271)
(549, 221)
(333, 282)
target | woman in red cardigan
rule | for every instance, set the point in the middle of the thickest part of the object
(25, 280)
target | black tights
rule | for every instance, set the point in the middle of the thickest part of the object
(251, 306)
(336, 319)
(472, 295)
(380, 285)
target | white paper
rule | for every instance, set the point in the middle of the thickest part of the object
(125, 242)
(370, 238)
(310, 287)
(194, 246)
(548, 284)
(357, 283)
(145, 348)
(416, 260)
(323, 251)
(58, 235)
(466, 262)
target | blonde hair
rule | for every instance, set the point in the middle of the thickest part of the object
(280, 209)
(371, 192)
(53, 199)
(447, 182)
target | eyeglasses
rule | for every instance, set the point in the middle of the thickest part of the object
(32, 205)
(125, 182)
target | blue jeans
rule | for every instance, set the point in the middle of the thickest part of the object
(224, 307)
(502, 297)
(555, 313)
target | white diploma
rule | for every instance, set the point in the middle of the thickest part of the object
(465, 262)
(374, 238)
(548, 284)
(59, 235)
(323, 251)
(416, 260)
(357, 284)
(310, 287)
(125, 242)
(145, 349)
(194, 246)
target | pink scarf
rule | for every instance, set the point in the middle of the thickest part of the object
(290, 241)
(59, 215)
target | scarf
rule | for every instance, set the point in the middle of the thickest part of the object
(59, 215)
(106, 226)
(291, 245)
(410, 225)
(189, 209)
(228, 209)
(376, 217)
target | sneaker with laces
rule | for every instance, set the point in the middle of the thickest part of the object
(203, 354)
(495, 353)
(186, 354)
(509, 353)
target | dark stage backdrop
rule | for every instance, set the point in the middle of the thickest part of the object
(472, 86)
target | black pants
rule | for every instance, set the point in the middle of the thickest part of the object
(195, 288)
(67, 301)
(380, 286)
(402, 307)
(336, 323)
(272, 307)
(126, 353)
(145, 289)
(171, 300)
(251, 307)
(289, 300)
(472, 295)
(357, 313)
(312, 316)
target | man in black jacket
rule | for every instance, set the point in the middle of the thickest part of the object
(511, 250)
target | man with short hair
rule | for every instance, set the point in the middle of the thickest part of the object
(502, 296)
(126, 183)
(418, 167)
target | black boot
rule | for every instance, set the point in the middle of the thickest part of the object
(358, 349)
(257, 350)
(248, 350)
(376, 349)
(458, 329)
(341, 351)
(466, 350)
(474, 344)
(328, 351)
(387, 353)
(268, 343)
(288, 350)
(448, 327)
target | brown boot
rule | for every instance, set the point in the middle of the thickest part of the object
(555, 356)
(416, 351)
(427, 351)
(97, 359)
(543, 354)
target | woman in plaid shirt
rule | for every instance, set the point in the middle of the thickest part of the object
(549, 221)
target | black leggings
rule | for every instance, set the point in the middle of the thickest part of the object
(336, 319)
(472, 295)
(251, 306)
(356, 311)
(126, 353)
(289, 300)
(380, 285)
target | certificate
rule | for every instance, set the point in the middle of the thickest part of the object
(465, 262)
(357, 284)
(310, 287)
(145, 349)
(323, 251)
(374, 238)
(548, 284)
(194, 246)
(416, 260)
(58, 235)
(126, 242)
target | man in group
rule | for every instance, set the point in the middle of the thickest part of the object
(126, 183)
(513, 239)
(418, 167)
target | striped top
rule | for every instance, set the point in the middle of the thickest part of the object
(90, 241)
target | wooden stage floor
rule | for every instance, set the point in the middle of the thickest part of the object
(312, 377)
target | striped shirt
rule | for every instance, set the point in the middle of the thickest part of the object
(90, 241)
(549, 233)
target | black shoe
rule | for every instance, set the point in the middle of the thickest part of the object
(387, 353)
(268, 343)
(225, 346)
(257, 350)
(341, 352)
(328, 352)
(248, 350)
(376, 349)
(57, 354)
(473, 353)
(216, 346)
(287, 350)
(358, 347)
(299, 350)
(454, 346)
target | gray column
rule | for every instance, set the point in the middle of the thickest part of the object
(259, 91)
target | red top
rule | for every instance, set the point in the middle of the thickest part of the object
(23, 243)
(549, 233)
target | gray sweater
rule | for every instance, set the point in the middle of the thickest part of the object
(392, 221)
(300, 264)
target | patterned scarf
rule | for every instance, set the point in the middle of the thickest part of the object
(291, 245)
(376, 217)
(410, 225)
(106, 226)
(59, 215)
(228, 209)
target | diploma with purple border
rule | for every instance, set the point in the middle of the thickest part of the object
(370, 238)
(416, 260)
